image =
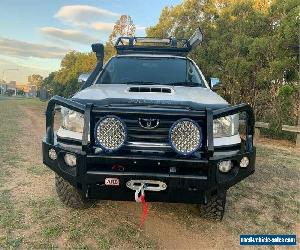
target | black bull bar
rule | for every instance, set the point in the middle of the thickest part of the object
(207, 114)
(179, 185)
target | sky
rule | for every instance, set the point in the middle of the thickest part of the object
(36, 34)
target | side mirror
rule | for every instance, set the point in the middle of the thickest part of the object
(214, 83)
(83, 77)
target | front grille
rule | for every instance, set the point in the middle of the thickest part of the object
(156, 139)
(136, 133)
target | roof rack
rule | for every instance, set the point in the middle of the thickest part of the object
(152, 45)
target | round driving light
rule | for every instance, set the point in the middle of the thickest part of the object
(224, 166)
(110, 133)
(70, 160)
(244, 162)
(52, 154)
(185, 136)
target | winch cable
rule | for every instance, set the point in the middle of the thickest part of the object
(142, 199)
(145, 209)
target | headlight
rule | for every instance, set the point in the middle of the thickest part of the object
(72, 120)
(185, 136)
(226, 126)
(110, 133)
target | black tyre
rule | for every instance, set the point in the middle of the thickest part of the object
(70, 195)
(215, 208)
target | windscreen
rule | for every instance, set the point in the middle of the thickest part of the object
(151, 70)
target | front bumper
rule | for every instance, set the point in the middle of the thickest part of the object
(188, 179)
(193, 182)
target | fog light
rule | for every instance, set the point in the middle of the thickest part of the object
(70, 160)
(225, 166)
(244, 162)
(52, 154)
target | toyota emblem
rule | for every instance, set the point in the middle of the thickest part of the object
(148, 123)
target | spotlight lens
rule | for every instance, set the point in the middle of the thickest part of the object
(185, 136)
(225, 166)
(244, 162)
(110, 133)
(52, 154)
(70, 160)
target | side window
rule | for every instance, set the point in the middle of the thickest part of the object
(192, 73)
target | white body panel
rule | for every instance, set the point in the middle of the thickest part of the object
(178, 93)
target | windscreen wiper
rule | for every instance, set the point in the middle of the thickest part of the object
(189, 84)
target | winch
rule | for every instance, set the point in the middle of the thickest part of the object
(149, 185)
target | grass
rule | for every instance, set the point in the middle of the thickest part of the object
(103, 243)
(266, 202)
(10, 220)
(44, 209)
(269, 199)
(4, 173)
(37, 170)
(52, 231)
(9, 242)
(11, 217)
(8, 134)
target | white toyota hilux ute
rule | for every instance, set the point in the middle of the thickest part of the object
(149, 123)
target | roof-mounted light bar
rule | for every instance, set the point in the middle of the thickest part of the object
(152, 40)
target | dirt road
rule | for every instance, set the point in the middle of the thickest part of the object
(33, 217)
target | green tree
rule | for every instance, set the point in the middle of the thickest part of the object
(65, 81)
(35, 79)
(73, 64)
(20, 92)
(123, 27)
(53, 87)
(252, 46)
